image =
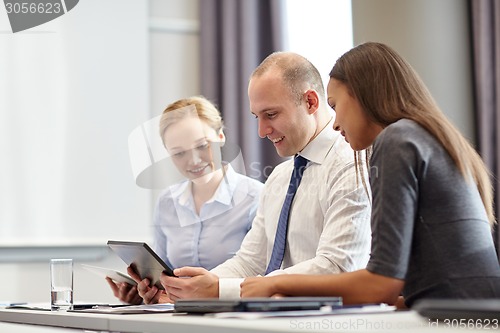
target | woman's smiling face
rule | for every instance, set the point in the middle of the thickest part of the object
(190, 143)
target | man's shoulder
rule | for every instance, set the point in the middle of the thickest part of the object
(340, 155)
(279, 174)
(281, 168)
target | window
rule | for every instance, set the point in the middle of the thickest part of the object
(320, 30)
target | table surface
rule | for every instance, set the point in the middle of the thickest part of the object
(407, 321)
(24, 328)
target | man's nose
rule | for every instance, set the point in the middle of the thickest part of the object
(264, 129)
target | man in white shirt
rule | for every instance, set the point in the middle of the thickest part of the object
(329, 221)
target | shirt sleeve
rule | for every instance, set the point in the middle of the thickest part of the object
(250, 260)
(229, 288)
(394, 182)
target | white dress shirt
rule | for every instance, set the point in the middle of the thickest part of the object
(329, 223)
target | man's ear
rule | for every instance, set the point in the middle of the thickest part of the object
(222, 138)
(312, 100)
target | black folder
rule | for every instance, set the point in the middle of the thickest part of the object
(460, 309)
(212, 305)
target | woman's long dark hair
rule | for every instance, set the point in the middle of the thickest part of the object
(388, 89)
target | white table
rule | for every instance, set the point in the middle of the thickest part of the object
(23, 328)
(406, 321)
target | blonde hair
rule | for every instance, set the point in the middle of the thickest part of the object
(195, 106)
(388, 89)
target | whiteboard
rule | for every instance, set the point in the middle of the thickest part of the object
(71, 91)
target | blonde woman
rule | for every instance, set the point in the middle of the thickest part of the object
(202, 220)
(432, 198)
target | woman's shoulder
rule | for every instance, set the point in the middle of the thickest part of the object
(249, 182)
(406, 126)
(404, 130)
(240, 180)
(408, 140)
(173, 191)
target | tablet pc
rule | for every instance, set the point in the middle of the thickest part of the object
(212, 305)
(143, 259)
(111, 273)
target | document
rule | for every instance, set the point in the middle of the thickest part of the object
(30, 306)
(111, 273)
(44, 306)
(324, 311)
(130, 309)
(9, 303)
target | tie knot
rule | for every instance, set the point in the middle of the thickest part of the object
(299, 165)
(299, 162)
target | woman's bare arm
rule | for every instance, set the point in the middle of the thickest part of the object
(355, 287)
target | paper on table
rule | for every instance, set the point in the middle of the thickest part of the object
(131, 309)
(9, 303)
(113, 274)
(324, 311)
(31, 306)
(44, 306)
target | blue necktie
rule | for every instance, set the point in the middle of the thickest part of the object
(299, 165)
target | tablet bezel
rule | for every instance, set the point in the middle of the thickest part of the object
(143, 259)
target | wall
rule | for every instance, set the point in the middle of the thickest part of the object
(434, 37)
(174, 54)
(173, 73)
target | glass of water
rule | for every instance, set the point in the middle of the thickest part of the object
(61, 284)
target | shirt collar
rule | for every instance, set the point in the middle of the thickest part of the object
(317, 150)
(226, 188)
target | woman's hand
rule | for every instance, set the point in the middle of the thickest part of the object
(149, 295)
(259, 287)
(125, 292)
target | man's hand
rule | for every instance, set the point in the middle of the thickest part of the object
(192, 282)
(125, 292)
